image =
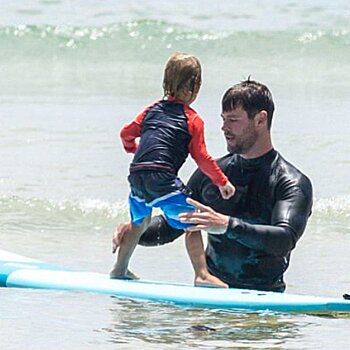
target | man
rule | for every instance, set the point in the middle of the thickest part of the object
(251, 235)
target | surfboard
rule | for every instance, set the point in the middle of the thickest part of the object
(22, 272)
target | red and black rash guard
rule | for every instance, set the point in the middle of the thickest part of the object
(169, 130)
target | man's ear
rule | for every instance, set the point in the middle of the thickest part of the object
(261, 118)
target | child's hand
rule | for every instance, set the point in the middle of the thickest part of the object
(227, 191)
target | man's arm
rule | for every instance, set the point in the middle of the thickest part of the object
(159, 233)
(289, 218)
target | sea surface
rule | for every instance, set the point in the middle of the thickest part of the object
(73, 72)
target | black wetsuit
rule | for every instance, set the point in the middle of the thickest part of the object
(268, 215)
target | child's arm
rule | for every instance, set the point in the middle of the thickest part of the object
(204, 160)
(227, 191)
(128, 134)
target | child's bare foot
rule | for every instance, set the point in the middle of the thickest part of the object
(129, 275)
(209, 281)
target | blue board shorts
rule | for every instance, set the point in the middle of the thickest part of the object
(150, 189)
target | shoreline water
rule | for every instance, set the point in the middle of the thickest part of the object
(74, 72)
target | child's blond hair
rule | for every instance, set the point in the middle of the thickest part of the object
(182, 71)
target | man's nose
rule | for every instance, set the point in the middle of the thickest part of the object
(224, 126)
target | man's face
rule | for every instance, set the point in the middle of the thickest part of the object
(240, 131)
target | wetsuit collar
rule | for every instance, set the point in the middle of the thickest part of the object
(257, 162)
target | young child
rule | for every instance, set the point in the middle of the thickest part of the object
(169, 130)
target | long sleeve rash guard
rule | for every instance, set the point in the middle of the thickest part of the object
(169, 130)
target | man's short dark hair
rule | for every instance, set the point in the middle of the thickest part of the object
(252, 96)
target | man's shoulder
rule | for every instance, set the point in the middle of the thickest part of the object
(199, 179)
(289, 173)
(224, 161)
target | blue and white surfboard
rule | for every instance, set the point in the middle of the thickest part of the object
(21, 272)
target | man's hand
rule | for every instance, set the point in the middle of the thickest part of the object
(118, 235)
(205, 219)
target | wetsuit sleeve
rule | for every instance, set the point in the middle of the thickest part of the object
(288, 221)
(198, 149)
(159, 233)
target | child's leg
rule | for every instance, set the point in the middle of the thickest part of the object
(172, 207)
(195, 249)
(127, 247)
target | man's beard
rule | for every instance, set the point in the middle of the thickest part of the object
(244, 142)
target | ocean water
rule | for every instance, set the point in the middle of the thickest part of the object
(73, 72)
